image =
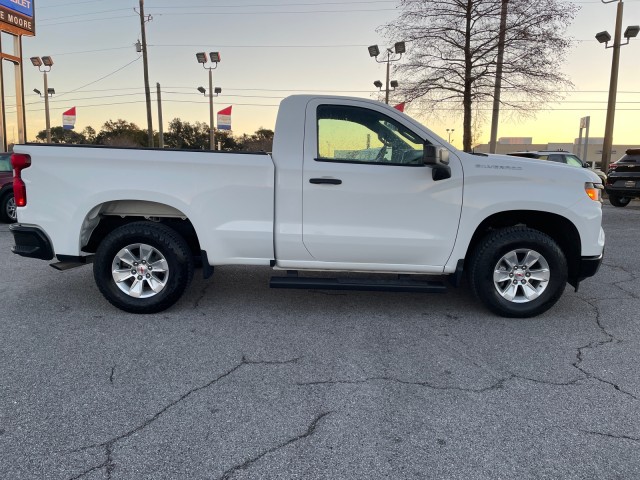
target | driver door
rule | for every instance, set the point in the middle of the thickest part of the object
(368, 198)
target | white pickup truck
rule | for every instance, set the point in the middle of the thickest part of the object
(352, 186)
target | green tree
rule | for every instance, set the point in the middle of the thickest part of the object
(61, 135)
(121, 133)
(260, 141)
(195, 136)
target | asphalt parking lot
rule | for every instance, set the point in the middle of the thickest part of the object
(238, 381)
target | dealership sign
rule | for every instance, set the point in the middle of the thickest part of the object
(17, 17)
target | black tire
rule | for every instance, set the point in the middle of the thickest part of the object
(617, 201)
(8, 212)
(166, 243)
(493, 248)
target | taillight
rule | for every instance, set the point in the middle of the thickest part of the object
(19, 162)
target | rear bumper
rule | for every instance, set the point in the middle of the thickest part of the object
(622, 192)
(31, 242)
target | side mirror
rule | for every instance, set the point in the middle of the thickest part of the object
(438, 159)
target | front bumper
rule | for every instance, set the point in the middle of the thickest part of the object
(31, 242)
(589, 266)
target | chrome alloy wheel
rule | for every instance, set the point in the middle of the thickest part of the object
(12, 211)
(140, 270)
(521, 275)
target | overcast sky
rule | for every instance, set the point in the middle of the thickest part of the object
(273, 48)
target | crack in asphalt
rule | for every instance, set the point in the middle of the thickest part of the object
(631, 274)
(203, 293)
(494, 386)
(113, 370)
(247, 463)
(108, 464)
(610, 435)
(108, 445)
(609, 338)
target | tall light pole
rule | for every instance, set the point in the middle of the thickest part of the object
(604, 37)
(215, 59)
(449, 132)
(145, 61)
(393, 55)
(44, 65)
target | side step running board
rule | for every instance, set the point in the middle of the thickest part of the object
(396, 285)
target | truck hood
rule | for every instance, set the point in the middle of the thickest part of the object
(532, 168)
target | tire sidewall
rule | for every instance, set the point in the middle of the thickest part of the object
(176, 254)
(485, 264)
(4, 208)
(618, 201)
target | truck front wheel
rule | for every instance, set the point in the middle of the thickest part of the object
(518, 272)
(143, 267)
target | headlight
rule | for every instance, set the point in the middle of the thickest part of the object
(594, 191)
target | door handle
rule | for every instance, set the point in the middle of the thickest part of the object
(327, 181)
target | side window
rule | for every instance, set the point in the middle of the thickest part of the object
(543, 157)
(556, 158)
(573, 161)
(5, 163)
(353, 135)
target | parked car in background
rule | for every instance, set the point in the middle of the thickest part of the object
(560, 157)
(623, 179)
(7, 202)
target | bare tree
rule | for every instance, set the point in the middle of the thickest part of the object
(453, 48)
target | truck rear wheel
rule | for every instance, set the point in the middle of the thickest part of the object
(518, 272)
(8, 211)
(143, 267)
(619, 201)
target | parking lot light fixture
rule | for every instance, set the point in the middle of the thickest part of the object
(44, 64)
(604, 37)
(394, 84)
(393, 55)
(37, 91)
(378, 84)
(215, 59)
(631, 32)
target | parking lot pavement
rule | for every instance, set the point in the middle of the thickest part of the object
(238, 381)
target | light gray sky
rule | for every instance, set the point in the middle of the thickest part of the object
(273, 48)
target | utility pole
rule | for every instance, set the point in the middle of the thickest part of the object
(498, 86)
(145, 61)
(160, 127)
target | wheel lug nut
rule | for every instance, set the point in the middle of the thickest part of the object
(515, 282)
(524, 282)
(528, 274)
(139, 277)
(135, 264)
(148, 276)
(511, 274)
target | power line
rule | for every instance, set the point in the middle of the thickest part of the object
(101, 78)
